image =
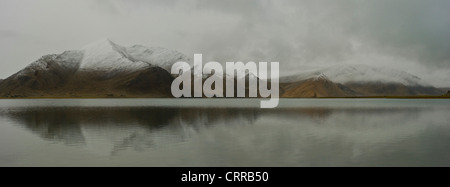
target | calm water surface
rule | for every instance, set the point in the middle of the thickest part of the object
(182, 132)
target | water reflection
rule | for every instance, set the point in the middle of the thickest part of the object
(124, 127)
(309, 136)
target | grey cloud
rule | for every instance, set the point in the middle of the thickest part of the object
(8, 34)
(402, 24)
(105, 5)
(411, 35)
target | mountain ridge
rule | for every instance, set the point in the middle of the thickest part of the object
(106, 69)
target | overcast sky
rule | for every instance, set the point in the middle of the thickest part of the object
(410, 35)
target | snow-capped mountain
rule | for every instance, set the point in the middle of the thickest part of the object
(100, 69)
(346, 73)
(107, 56)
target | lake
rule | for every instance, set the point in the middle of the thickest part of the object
(224, 132)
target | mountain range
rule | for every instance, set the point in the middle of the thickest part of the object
(355, 81)
(106, 69)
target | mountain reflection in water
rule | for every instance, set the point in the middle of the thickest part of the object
(205, 136)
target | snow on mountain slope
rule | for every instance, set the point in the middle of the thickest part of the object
(157, 56)
(68, 60)
(358, 74)
(105, 55)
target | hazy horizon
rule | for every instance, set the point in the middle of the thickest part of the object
(408, 35)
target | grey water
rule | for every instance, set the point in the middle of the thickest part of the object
(224, 132)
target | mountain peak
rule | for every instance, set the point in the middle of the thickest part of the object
(321, 77)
